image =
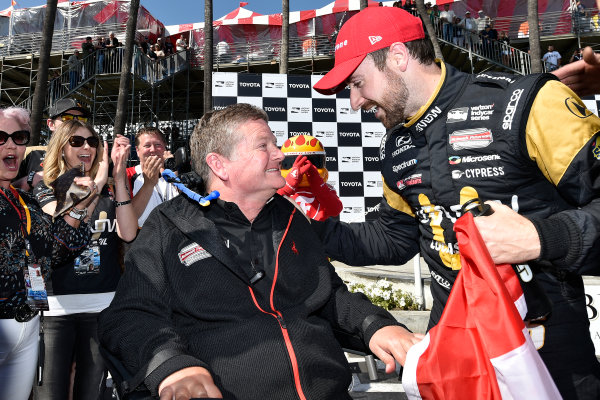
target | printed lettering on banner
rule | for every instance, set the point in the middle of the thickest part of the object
(324, 110)
(280, 130)
(372, 133)
(368, 115)
(275, 108)
(345, 113)
(299, 86)
(351, 184)
(274, 85)
(353, 210)
(349, 134)
(350, 159)
(592, 304)
(326, 132)
(471, 138)
(373, 184)
(220, 103)
(225, 84)
(331, 159)
(250, 85)
(299, 109)
(371, 159)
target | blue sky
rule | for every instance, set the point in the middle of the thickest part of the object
(172, 12)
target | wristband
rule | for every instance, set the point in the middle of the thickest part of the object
(122, 203)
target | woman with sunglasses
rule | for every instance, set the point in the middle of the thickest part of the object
(30, 244)
(83, 287)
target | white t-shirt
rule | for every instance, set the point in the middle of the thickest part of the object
(180, 44)
(162, 192)
(449, 15)
(552, 57)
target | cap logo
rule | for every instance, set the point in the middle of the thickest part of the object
(374, 39)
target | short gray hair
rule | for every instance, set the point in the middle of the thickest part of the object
(217, 132)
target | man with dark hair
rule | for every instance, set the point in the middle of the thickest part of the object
(87, 49)
(236, 298)
(526, 142)
(30, 170)
(148, 187)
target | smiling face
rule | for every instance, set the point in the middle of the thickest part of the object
(371, 87)
(254, 167)
(150, 145)
(11, 154)
(75, 156)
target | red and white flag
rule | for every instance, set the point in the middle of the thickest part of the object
(480, 349)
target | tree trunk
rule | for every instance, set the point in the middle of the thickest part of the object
(285, 37)
(208, 54)
(125, 81)
(41, 85)
(429, 28)
(363, 4)
(535, 52)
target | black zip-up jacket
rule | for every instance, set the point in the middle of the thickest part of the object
(186, 300)
(528, 142)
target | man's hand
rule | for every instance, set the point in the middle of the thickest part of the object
(151, 169)
(189, 383)
(509, 237)
(583, 76)
(391, 343)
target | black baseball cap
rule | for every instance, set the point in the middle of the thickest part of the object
(63, 105)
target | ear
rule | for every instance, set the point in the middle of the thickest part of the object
(50, 123)
(216, 163)
(398, 56)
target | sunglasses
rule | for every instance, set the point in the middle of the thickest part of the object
(318, 160)
(20, 138)
(69, 117)
(78, 141)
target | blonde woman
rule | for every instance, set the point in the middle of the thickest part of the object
(83, 288)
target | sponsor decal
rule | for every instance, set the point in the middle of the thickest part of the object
(496, 77)
(341, 44)
(220, 84)
(375, 208)
(331, 159)
(457, 115)
(375, 39)
(596, 149)
(401, 166)
(324, 110)
(352, 210)
(349, 134)
(370, 134)
(350, 159)
(511, 109)
(274, 109)
(299, 86)
(217, 108)
(345, 110)
(482, 112)
(448, 248)
(578, 110)
(295, 110)
(374, 184)
(486, 172)
(403, 140)
(440, 280)
(409, 181)
(192, 253)
(427, 119)
(453, 160)
(371, 159)
(401, 150)
(250, 84)
(295, 133)
(351, 184)
(382, 147)
(269, 85)
(470, 138)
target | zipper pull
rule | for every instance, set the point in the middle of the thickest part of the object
(281, 321)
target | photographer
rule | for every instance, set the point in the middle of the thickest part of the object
(147, 186)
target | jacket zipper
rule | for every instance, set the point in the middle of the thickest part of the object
(279, 317)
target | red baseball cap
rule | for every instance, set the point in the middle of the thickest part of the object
(371, 29)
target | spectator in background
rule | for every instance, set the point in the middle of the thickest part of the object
(180, 44)
(148, 187)
(577, 55)
(482, 21)
(30, 170)
(74, 69)
(469, 26)
(100, 53)
(551, 59)
(447, 17)
(112, 44)
(87, 49)
(505, 47)
(223, 52)
(168, 48)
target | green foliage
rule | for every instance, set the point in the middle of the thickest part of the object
(382, 294)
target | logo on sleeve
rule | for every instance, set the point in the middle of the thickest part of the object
(192, 253)
(578, 110)
(596, 149)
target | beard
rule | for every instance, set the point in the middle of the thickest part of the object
(394, 100)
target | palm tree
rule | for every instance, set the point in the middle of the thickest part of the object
(41, 86)
(534, 36)
(208, 54)
(124, 83)
(363, 4)
(285, 37)
(430, 30)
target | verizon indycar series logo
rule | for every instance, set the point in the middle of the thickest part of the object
(414, 179)
(471, 138)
